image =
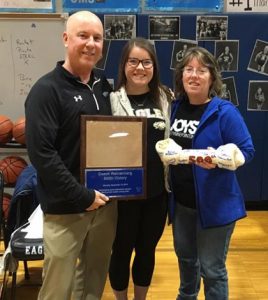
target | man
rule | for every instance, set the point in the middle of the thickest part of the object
(77, 235)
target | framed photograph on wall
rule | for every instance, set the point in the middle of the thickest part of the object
(229, 90)
(119, 27)
(209, 28)
(164, 27)
(179, 49)
(259, 58)
(43, 6)
(227, 54)
(258, 95)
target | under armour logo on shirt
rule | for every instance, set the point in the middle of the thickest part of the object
(77, 98)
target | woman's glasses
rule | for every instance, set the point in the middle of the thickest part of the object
(198, 72)
(134, 62)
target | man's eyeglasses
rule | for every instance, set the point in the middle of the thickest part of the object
(134, 62)
(198, 72)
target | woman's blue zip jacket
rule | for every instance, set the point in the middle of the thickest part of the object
(219, 200)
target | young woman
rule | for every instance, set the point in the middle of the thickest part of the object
(140, 222)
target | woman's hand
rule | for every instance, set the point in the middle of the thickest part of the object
(206, 165)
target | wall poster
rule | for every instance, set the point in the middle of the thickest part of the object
(106, 6)
(43, 6)
(119, 27)
(188, 5)
(247, 6)
(257, 95)
(164, 27)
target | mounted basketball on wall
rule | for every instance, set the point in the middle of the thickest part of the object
(11, 167)
(6, 126)
(18, 131)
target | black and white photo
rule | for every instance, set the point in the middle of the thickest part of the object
(258, 95)
(227, 54)
(211, 27)
(259, 58)
(164, 27)
(121, 27)
(179, 49)
(229, 90)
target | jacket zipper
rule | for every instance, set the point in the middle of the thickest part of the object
(91, 89)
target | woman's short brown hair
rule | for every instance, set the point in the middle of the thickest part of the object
(206, 59)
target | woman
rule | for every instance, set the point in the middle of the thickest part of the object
(140, 222)
(207, 200)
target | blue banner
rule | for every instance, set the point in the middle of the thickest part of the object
(186, 6)
(102, 6)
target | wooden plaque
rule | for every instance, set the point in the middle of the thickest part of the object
(113, 155)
